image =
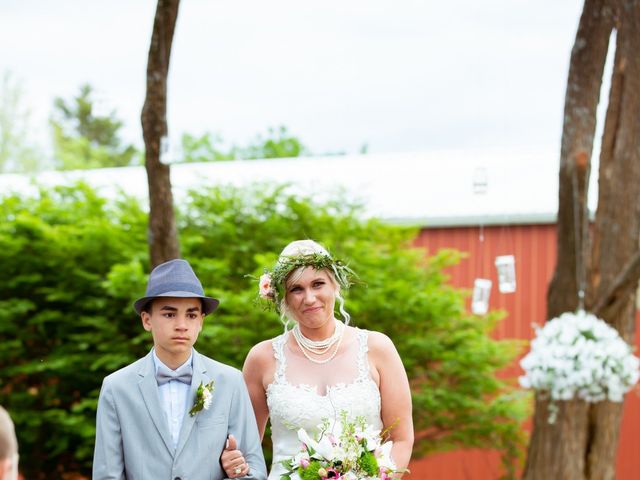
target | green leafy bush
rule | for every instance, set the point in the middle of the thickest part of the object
(72, 264)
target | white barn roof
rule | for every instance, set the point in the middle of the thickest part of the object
(429, 189)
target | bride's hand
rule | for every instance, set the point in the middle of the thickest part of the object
(232, 460)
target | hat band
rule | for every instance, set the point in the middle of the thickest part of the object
(159, 290)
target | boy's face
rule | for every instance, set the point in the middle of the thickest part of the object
(174, 324)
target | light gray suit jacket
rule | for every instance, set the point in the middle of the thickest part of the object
(132, 435)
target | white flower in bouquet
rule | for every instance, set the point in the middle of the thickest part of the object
(322, 448)
(383, 454)
(579, 355)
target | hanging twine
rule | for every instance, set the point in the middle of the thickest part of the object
(581, 235)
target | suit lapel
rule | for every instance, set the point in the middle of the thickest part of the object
(149, 389)
(199, 376)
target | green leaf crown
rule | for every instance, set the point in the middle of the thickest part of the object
(286, 264)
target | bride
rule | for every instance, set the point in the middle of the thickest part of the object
(322, 366)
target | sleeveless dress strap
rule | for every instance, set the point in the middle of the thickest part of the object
(281, 361)
(363, 349)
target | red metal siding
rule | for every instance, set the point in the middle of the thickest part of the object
(534, 248)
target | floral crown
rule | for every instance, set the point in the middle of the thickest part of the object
(272, 282)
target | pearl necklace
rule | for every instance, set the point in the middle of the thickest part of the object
(320, 347)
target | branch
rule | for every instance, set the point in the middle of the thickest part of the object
(621, 286)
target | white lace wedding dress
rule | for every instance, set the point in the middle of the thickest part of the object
(303, 393)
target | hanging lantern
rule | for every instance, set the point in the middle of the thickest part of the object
(481, 293)
(506, 265)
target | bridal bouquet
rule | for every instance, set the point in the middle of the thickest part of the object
(343, 450)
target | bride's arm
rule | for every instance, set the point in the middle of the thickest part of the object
(395, 395)
(258, 370)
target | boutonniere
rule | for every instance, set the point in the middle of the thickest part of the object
(203, 398)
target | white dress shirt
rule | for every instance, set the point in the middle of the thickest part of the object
(174, 399)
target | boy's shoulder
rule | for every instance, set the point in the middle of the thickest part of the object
(127, 372)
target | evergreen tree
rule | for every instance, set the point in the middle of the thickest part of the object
(85, 139)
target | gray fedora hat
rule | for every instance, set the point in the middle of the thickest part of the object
(175, 278)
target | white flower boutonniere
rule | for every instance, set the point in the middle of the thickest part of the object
(204, 395)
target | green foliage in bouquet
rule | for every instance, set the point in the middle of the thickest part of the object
(311, 472)
(368, 463)
(72, 264)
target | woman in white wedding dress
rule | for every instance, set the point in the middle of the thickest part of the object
(322, 366)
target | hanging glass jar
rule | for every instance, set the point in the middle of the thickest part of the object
(480, 298)
(506, 266)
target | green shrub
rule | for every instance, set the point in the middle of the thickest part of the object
(72, 264)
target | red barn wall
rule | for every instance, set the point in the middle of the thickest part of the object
(534, 249)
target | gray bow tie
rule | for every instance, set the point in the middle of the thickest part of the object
(164, 375)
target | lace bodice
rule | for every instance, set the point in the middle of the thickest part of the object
(295, 405)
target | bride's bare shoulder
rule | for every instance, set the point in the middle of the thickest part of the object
(261, 354)
(380, 344)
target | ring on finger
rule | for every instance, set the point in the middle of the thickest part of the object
(237, 470)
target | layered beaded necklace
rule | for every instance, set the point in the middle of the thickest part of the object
(319, 347)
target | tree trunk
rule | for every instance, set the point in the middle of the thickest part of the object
(617, 224)
(581, 101)
(163, 235)
(582, 444)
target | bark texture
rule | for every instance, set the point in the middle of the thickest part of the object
(586, 69)
(582, 444)
(163, 235)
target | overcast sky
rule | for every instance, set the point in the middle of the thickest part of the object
(398, 75)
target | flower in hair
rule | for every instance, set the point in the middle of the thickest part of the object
(266, 290)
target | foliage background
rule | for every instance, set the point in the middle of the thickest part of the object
(72, 264)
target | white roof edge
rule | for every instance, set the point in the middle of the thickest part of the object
(475, 221)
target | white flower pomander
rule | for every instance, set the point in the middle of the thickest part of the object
(579, 355)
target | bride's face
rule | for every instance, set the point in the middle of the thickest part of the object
(311, 296)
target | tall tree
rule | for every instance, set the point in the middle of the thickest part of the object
(83, 138)
(163, 236)
(582, 442)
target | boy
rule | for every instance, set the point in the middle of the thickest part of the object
(167, 416)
